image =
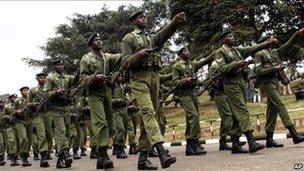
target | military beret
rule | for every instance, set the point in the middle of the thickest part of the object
(41, 74)
(181, 50)
(24, 87)
(90, 39)
(12, 95)
(224, 34)
(263, 38)
(133, 16)
(57, 61)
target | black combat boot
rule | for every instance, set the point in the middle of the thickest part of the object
(270, 142)
(36, 156)
(144, 163)
(236, 146)
(93, 154)
(296, 138)
(83, 152)
(75, 154)
(103, 160)
(133, 149)
(2, 162)
(253, 146)
(43, 160)
(49, 157)
(189, 149)
(198, 148)
(223, 144)
(68, 158)
(60, 162)
(152, 153)
(120, 152)
(114, 150)
(165, 159)
(25, 162)
(14, 161)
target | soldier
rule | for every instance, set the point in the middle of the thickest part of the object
(12, 136)
(23, 125)
(269, 69)
(2, 133)
(137, 53)
(231, 64)
(35, 98)
(95, 67)
(57, 86)
(75, 129)
(119, 103)
(184, 78)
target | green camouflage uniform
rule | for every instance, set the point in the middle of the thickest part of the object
(234, 84)
(59, 111)
(266, 60)
(100, 95)
(187, 94)
(12, 136)
(145, 79)
(120, 115)
(36, 94)
(24, 126)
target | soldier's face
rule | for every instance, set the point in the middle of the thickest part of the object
(41, 79)
(2, 105)
(120, 78)
(229, 39)
(96, 43)
(59, 68)
(141, 21)
(24, 92)
(186, 54)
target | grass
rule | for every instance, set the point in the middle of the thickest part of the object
(208, 111)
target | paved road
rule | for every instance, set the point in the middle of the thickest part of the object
(268, 159)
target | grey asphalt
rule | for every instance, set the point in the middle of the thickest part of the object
(285, 158)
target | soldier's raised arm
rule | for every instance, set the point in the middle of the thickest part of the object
(284, 49)
(201, 63)
(247, 51)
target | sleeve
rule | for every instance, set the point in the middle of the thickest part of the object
(86, 78)
(130, 59)
(247, 51)
(200, 64)
(223, 67)
(164, 34)
(49, 88)
(176, 78)
(283, 50)
(164, 78)
(259, 69)
(30, 97)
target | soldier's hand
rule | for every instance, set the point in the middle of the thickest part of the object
(301, 32)
(181, 17)
(100, 77)
(241, 64)
(144, 53)
(272, 41)
(60, 91)
(280, 67)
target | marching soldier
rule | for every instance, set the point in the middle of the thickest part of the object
(2, 133)
(231, 64)
(35, 99)
(95, 68)
(137, 52)
(23, 125)
(57, 86)
(184, 78)
(270, 70)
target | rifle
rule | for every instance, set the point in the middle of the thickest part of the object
(44, 104)
(207, 83)
(173, 99)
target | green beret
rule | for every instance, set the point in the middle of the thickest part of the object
(24, 87)
(12, 95)
(224, 34)
(135, 15)
(41, 74)
(90, 39)
(181, 51)
(263, 38)
(57, 61)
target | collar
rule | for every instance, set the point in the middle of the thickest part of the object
(96, 57)
(139, 31)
